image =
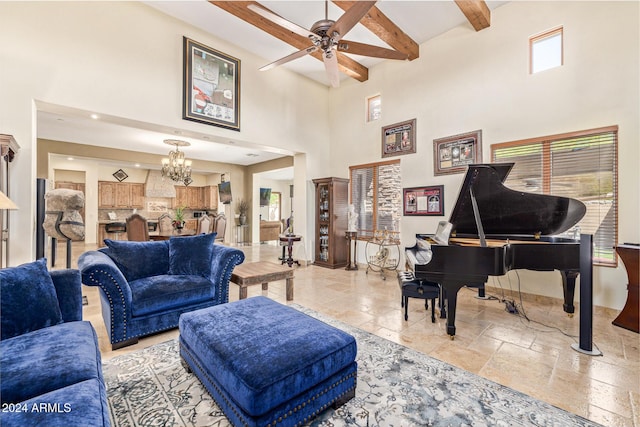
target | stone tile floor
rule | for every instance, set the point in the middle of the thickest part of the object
(534, 357)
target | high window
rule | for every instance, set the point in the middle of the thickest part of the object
(580, 165)
(545, 51)
(374, 108)
(376, 193)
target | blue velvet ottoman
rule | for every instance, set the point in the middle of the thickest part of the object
(267, 364)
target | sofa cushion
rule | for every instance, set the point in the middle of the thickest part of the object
(165, 293)
(139, 259)
(263, 353)
(78, 405)
(191, 255)
(48, 359)
(28, 299)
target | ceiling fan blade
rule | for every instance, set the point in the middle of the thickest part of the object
(291, 57)
(281, 21)
(350, 18)
(369, 50)
(331, 65)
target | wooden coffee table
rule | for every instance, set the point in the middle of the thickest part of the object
(253, 273)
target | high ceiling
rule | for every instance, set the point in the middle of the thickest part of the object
(417, 21)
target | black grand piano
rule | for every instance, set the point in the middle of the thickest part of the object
(495, 229)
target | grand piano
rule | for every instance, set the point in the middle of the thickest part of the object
(495, 229)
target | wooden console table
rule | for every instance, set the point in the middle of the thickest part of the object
(628, 317)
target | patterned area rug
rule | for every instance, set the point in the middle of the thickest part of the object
(397, 386)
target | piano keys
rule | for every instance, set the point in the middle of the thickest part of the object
(495, 229)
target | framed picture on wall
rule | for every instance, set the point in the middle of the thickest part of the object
(423, 201)
(399, 138)
(452, 154)
(211, 89)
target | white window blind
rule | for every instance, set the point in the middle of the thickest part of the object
(580, 165)
(376, 193)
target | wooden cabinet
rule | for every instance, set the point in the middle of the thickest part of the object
(120, 195)
(210, 194)
(331, 221)
(195, 197)
(181, 199)
(137, 195)
(106, 194)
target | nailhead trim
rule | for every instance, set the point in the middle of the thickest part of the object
(280, 418)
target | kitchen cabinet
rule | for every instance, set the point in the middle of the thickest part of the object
(137, 195)
(120, 195)
(331, 221)
(106, 194)
(181, 199)
(210, 197)
(195, 197)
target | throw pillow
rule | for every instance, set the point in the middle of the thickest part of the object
(28, 299)
(191, 255)
(139, 259)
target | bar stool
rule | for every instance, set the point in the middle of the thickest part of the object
(117, 228)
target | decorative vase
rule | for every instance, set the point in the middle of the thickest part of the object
(242, 219)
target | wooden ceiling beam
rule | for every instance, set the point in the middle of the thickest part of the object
(477, 13)
(239, 9)
(380, 25)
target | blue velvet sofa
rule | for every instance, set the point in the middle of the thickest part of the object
(146, 286)
(50, 366)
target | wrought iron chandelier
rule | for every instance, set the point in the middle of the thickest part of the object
(176, 167)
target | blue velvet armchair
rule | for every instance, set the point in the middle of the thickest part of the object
(146, 286)
(50, 363)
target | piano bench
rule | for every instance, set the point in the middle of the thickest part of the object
(417, 288)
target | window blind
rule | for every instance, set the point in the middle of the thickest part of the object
(580, 165)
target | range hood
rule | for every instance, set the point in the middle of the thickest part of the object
(157, 186)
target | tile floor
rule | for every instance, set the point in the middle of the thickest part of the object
(534, 357)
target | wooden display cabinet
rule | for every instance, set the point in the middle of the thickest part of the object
(332, 200)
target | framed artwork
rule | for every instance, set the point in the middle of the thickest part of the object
(399, 138)
(211, 89)
(453, 153)
(120, 175)
(423, 201)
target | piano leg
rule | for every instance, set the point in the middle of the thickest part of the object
(451, 291)
(569, 289)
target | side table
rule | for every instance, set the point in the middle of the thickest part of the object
(241, 229)
(289, 239)
(629, 317)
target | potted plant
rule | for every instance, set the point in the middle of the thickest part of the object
(178, 221)
(243, 208)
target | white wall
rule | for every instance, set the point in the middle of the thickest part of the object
(124, 59)
(465, 81)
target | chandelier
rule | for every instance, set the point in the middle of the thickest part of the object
(176, 167)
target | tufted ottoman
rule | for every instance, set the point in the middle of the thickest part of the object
(267, 364)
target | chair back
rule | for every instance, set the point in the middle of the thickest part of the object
(164, 222)
(220, 225)
(137, 228)
(204, 224)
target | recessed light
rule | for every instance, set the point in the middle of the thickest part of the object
(70, 158)
(95, 116)
(137, 165)
(252, 155)
(206, 137)
(231, 142)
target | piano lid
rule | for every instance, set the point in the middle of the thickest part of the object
(504, 211)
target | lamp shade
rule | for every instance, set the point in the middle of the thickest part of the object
(6, 203)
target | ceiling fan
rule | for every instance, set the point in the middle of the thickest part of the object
(326, 35)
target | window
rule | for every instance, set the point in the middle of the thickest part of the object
(274, 206)
(376, 194)
(545, 51)
(581, 165)
(374, 108)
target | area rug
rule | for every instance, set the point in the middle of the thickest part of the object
(397, 386)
